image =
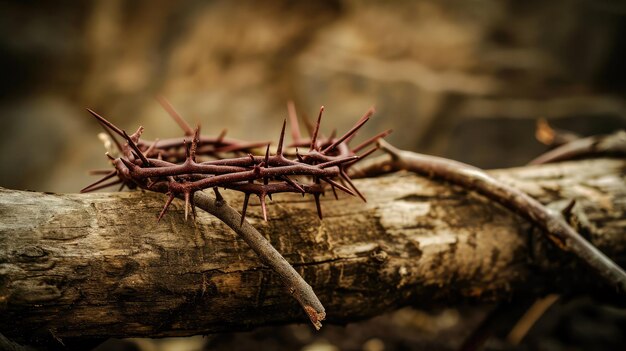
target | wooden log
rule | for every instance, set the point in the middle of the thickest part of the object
(99, 265)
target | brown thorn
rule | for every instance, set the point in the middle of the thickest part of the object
(567, 211)
(102, 186)
(136, 149)
(318, 205)
(293, 121)
(218, 196)
(167, 205)
(371, 140)
(345, 177)
(294, 184)
(316, 131)
(263, 207)
(106, 123)
(353, 130)
(109, 175)
(221, 136)
(341, 187)
(99, 171)
(245, 207)
(172, 112)
(279, 149)
(109, 156)
(151, 148)
(334, 192)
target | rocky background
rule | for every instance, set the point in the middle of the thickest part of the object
(465, 79)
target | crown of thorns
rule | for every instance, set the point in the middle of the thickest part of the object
(173, 166)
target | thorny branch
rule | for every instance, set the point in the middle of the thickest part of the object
(177, 172)
(553, 225)
(601, 145)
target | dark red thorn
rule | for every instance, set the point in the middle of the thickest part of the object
(109, 156)
(293, 121)
(316, 131)
(106, 123)
(172, 112)
(109, 175)
(245, 207)
(99, 171)
(567, 211)
(350, 132)
(102, 186)
(270, 196)
(151, 148)
(334, 192)
(218, 196)
(371, 140)
(367, 115)
(266, 163)
(122, 186)
(221, 136)
(338, 161)
(294, 184)
(333, 134)
(299, 156)
(341, 187)
(279, 149)
(167, 205)
(345, 177)
(136, 149)
(128, 164)
(367, 153)
(318, 205)
(263, 207)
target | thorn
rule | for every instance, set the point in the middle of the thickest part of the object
(167, 205)
(218, 196)
(108, 176)
(341, 187)
(318, 205)
(128, 164)
(294, 184)
(106, 123)
(338, 161)
(221, 136)
(270, 196)
(245, 207)
(334, 192)
(371, 140)
(367, 115)
(293, 121)
(317, 129)
(172, 112)
(299, 156)
(122, 186)
(136, 149)
(263, 207)
(345, 177)
(279, 149)
(353, 130)
(102, 186)
(109, 156)
(108, 131)
(567, 211)
(151, 148)
(267, 162)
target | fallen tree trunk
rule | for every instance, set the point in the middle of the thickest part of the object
(99, 265)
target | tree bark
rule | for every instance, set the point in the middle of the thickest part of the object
(99, 265)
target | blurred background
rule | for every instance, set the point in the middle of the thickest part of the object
(465, 79)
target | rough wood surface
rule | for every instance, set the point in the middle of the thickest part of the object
(99, 265)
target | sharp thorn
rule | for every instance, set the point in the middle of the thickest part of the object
(316, 130)
(263, 207)
(245, 207)
(167, 205)
(106, 123)
(318, 205)
(132, 144)
(109, 175)
(279, 149)
(172, 112)
(371, 140)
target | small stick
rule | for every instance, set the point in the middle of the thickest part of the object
(602, 145)
(557, 230)
(297, 286)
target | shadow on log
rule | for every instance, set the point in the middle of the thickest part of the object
(99, 265)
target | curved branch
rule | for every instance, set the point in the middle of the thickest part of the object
(554, 226)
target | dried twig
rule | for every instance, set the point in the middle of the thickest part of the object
(553, 225)
(602, 145)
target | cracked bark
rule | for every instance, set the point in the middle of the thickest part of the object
(98, 265)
